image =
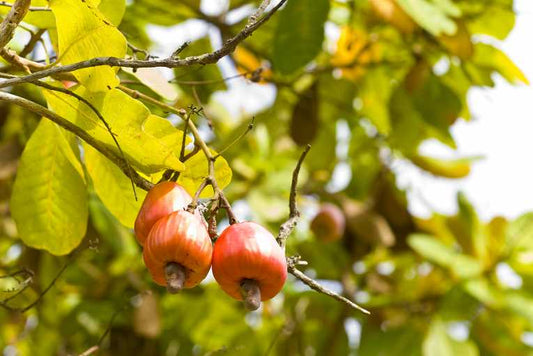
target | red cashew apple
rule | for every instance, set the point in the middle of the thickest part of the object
(178, 251)
(163, 199)
(329, 223)
(248, 264)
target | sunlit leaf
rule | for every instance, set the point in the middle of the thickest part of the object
(448, 168)
(49, 201)
(433, 16)
(86, 35)
(435, 251)
(492, 59)
(137, 131)
(113, 187)
(439, 343)
(196, 170)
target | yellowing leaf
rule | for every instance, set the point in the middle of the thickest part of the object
(435, 16)
(355, 51)
(113, 187)
(459, 44)
(197, 170)
(84, 33)
(49, 201)
(247, 62)
(491, 58)
(113, 10)
(448, 168)
(389, 11)
(150, 143)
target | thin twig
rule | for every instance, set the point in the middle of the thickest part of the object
(206, 58)
(50, 285)
(35, 38)
(90, 351)
(7, 28)
(286, 228)
(43, 292)
(321, 289)
(31, 8)
(248, 129)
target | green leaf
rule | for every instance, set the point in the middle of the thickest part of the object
(495, 20)
(113, 187)
(113, 10)
(150, 143)
(299, 35)
(163, 12)
(403, 340)
(439, 343)
(491, 58)
(438, 106)
(425, 112)
(49, 201)
(462, 266)
(485, 292)
(84, 33)
(519, 235)
(197, 170)
(434, 16)
(375, 92)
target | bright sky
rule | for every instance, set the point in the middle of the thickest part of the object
(502, 183)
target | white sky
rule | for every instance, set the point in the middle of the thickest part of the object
(502, 183)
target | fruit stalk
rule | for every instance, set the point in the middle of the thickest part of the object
(251, 294)
(175, 276)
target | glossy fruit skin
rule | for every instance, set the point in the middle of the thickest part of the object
(182, 238)
(329, 223)
(163, 199)
(248, 251)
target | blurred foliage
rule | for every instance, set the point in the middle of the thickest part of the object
(365, 82)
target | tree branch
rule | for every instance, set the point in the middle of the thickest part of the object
(286, 228)
(206, 58)
(31, 8)
(69, 126)
(321, 289)
(12, 20)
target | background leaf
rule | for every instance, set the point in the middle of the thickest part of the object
(299, 35)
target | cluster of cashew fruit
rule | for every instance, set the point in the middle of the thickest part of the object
(247, 262)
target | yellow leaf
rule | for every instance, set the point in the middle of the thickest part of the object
(458, 44)
(448, 168)
(355, 51)
(197, 170)
(247, 62)
(84, 33)
(389, 11)
(150, 143)
(49, 200)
